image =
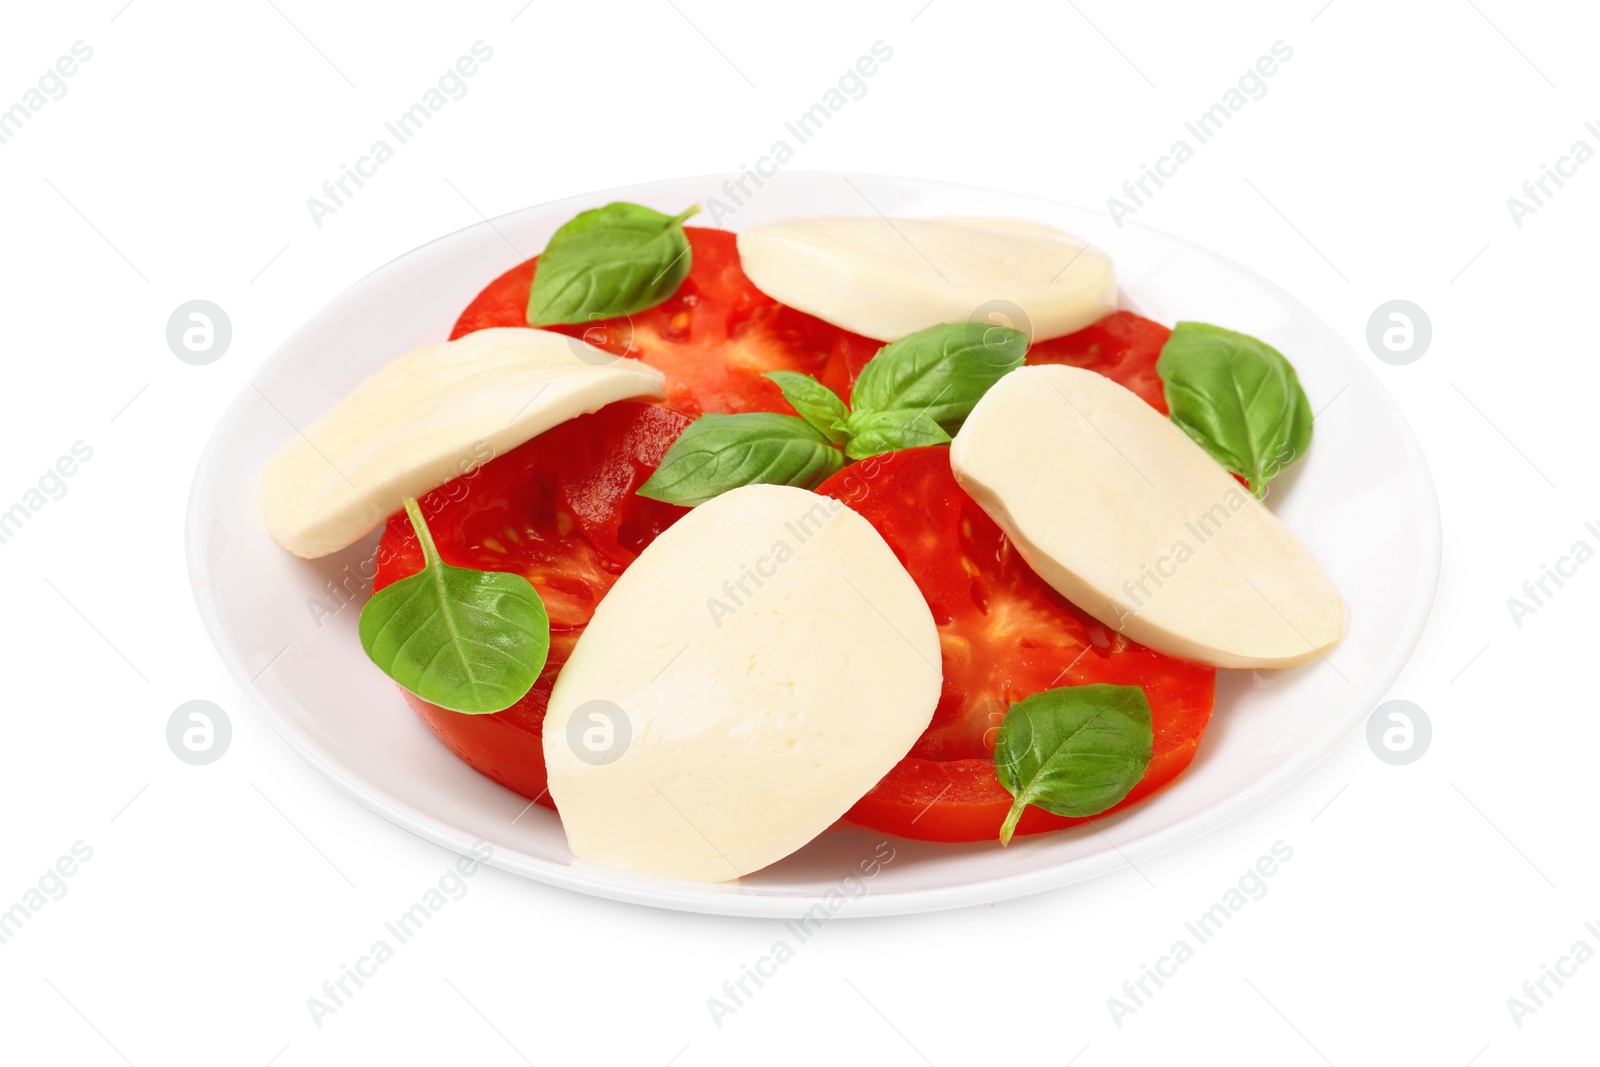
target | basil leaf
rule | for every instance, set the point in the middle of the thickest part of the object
(873, 433)
(611, 261)
(1073, 751)
(1238, 398)
(815, 402)
(716, 453)
(467, 640)
(941, 371)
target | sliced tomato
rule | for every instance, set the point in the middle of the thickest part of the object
(1122, 346)
(1004, 635)
(562, 511)
(713, 339)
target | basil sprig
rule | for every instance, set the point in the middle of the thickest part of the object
(916, 391)
(716, 453)
(1073, 751)
(1238, 398)
(467, 640)
(611, 261)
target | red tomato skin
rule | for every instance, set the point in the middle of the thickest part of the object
(506, 747)
(714, 338)
(963, 800)
(568, 498)
(1004, 635)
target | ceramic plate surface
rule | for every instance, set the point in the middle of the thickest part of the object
(1362, 499)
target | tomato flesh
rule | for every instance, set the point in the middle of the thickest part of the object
(1122, 346)
(714, 338)
(1004, 634)
(562, 511)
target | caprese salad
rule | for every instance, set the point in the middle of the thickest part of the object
(708, 541)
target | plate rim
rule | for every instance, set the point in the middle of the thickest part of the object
(690, 896)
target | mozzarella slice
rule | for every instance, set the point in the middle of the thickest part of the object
(887, 278)
(759, 668)
(432, 415)
(1125, 516)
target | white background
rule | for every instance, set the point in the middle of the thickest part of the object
(219, 898)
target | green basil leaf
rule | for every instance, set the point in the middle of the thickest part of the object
(815, 402)
(1073, 751)
(941, 371)
(467, 640)
(721, 452)
(1238, 398)
(611, 261)
(873, 433)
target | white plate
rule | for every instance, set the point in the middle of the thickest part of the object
(1362, 499)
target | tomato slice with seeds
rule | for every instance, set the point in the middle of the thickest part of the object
(713, 339)
(562, 511)
(1004, 634)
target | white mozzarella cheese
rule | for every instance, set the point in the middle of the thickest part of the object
(886, 278)
(430, 416)
(753, 673)
(1125, 516)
